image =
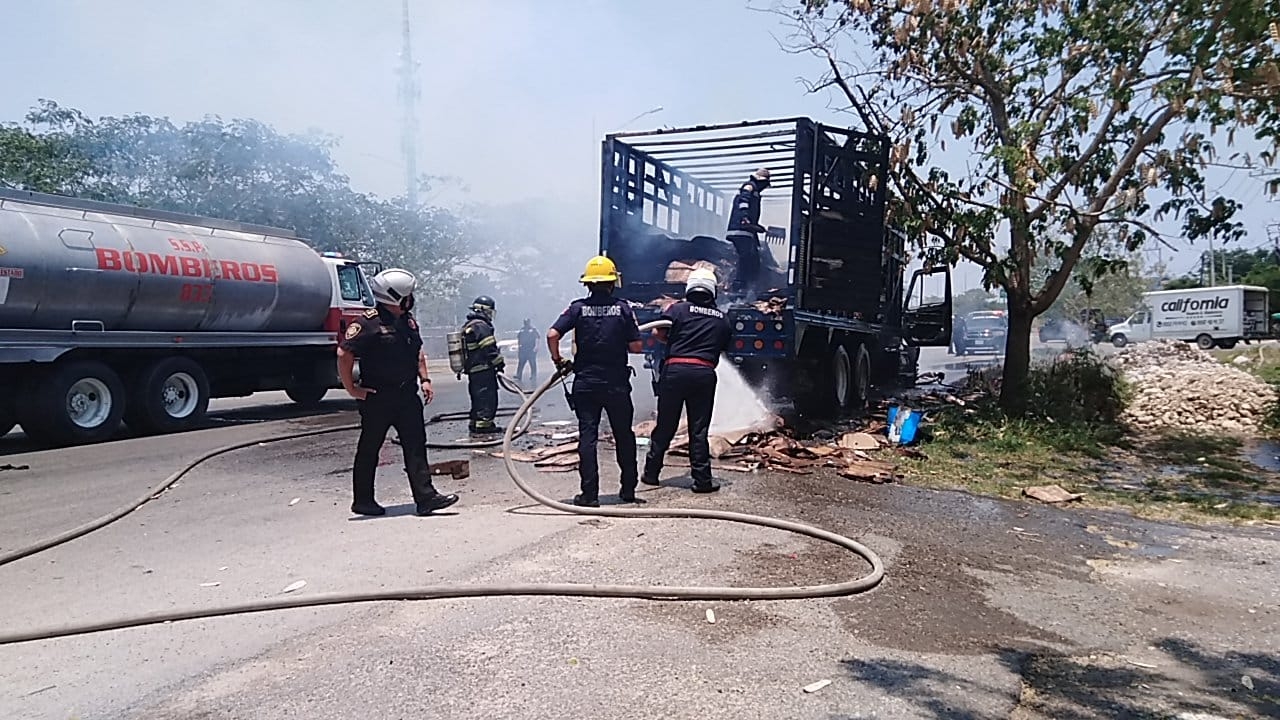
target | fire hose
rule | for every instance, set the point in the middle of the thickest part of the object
(436, 592)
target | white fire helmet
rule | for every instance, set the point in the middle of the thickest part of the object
(701, 280)
(393, 286)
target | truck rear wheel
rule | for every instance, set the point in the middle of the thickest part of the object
(851, 376)
(1204, 342)
(73, 404)
(170, 395)
(861, 379)
(8, 419)
(306, 395)
(842, 377)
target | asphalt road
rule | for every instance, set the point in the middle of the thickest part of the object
(989, 608)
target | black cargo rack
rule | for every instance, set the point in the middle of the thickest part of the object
(664, 186)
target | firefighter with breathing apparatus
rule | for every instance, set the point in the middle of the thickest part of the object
(605, 331)
(393, 368)
(698, 335)
(482, 362)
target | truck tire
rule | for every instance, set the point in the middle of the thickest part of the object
(842, 378)
(1204, 342)
(1119, 340)
(73, 403)
(306, 395)
(8, 419)
(861, 378)
(170, 395)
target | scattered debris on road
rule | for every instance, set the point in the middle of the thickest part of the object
(862, 453)
(297, 585)
(1051, 494)
(457, 469)
(815, 687)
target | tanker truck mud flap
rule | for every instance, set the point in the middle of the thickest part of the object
(169, 395)
(72, 403)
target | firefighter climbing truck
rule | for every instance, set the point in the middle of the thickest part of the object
(834, 318)
(111, 313)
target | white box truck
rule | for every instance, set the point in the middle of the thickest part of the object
(1210, 317)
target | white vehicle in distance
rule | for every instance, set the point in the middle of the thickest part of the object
(1210, 317)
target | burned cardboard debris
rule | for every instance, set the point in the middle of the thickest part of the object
(772, 307)
(860, 452)
(1052, 494)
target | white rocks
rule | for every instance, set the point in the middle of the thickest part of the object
(1177, 386)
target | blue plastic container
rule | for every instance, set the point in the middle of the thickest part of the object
(903, 423)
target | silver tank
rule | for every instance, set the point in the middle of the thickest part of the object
(65, 261)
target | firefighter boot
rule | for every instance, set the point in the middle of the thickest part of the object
(438, 501)
(706, 486)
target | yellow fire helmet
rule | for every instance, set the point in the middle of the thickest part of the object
(601, 269)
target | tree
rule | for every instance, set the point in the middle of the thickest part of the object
(1067, 117)
(237, 170)
(1109, 277)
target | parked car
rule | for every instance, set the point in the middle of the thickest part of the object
(983, 331)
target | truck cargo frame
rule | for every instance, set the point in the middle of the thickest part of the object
(843, 326)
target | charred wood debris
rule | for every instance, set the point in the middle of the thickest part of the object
(856, 450)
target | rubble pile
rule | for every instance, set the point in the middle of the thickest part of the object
(1177, 386)
(862, 455)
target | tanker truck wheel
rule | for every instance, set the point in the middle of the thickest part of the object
(170, 395)
(73, 403)
(308, 396)
(8, 418)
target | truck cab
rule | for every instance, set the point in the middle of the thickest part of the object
(1136, 328)
(834, 313)
(351, 293)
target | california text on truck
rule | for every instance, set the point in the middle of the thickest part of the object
(112, 313)
(831, 320)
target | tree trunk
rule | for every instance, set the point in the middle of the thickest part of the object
(1017, 355)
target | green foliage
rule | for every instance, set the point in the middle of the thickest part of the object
(1075, 403)
(1248, 267)
(236, 169)
(1069, 116)
(1108, 277)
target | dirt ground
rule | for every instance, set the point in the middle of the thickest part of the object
(1101, 614)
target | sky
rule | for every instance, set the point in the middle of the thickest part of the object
(516, 94)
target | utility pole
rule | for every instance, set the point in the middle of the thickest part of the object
(409, 92)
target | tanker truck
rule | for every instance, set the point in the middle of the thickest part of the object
(114, 314)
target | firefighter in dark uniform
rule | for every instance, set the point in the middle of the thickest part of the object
(605, 331)
(484, 362)
(744, 231)
(392, 369)
(698, 335)
(527, 349)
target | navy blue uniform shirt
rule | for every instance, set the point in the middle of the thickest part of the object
(388, 348)
(603, 327)
(697, 331)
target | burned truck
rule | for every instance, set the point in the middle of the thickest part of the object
(835, 317)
